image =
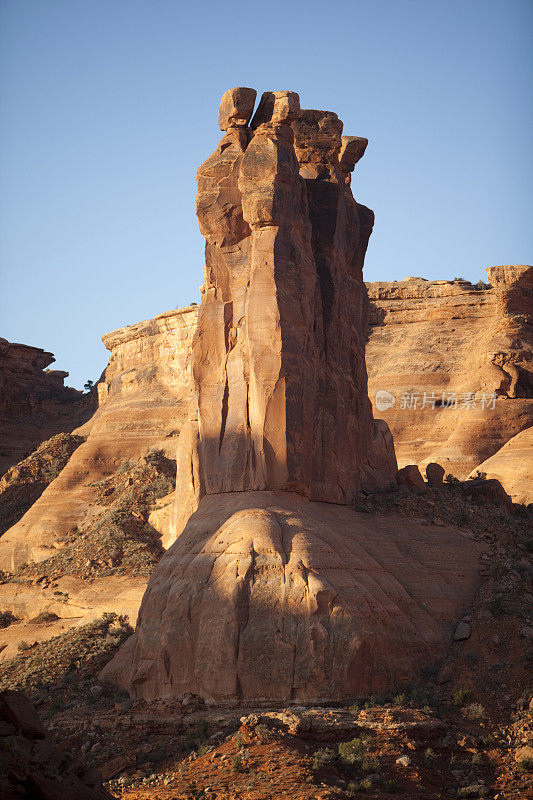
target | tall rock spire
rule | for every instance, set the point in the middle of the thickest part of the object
(278, 358)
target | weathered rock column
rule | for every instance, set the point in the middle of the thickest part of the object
(279, 353)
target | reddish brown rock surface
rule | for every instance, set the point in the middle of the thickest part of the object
(267, 596)
(34, 403)
(430, 337)
(278, 356)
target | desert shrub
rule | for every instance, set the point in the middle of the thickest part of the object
(452, 480)
(353, 750)
(474, 711)
(478, 476)
(6, 619)
(429, 757)
(323, 756)
(263, 733)
(525, 765)
(125, 466)
(236, 763)
(461, 697)
(22, 646)
(369, 764)
(400, 699)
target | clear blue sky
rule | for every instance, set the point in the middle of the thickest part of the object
(109, 106)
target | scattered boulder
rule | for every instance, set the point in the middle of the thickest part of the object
(320, 724)
(410, 721)
(435, 474)
(489, 491)
(16, 709)
(462, 632)
(410, 476)
(32, 767)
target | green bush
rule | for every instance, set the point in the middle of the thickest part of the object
(323, 756)
(474, 711)
(461, 697)
(351, 751)
(236, 763)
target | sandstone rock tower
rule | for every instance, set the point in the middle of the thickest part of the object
(278, 357)
(267, 594)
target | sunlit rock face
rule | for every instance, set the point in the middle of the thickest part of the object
(146, 399)
(278, 356)
(442, 350)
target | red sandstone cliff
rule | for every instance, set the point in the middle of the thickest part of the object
(459, 364)
(34, 403)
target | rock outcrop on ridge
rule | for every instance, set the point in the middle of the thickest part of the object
(457, 364)
(34, 403)
(267, 593)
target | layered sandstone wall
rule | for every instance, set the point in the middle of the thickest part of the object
(145, 397)
(458, 363)
(34, 403)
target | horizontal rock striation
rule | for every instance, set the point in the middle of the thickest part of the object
(268, 595)
(427, 338)
(145, 397)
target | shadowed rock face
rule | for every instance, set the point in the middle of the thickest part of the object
(278, 356)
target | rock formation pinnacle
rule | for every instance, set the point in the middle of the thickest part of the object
(278, 356)
(266, 593)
